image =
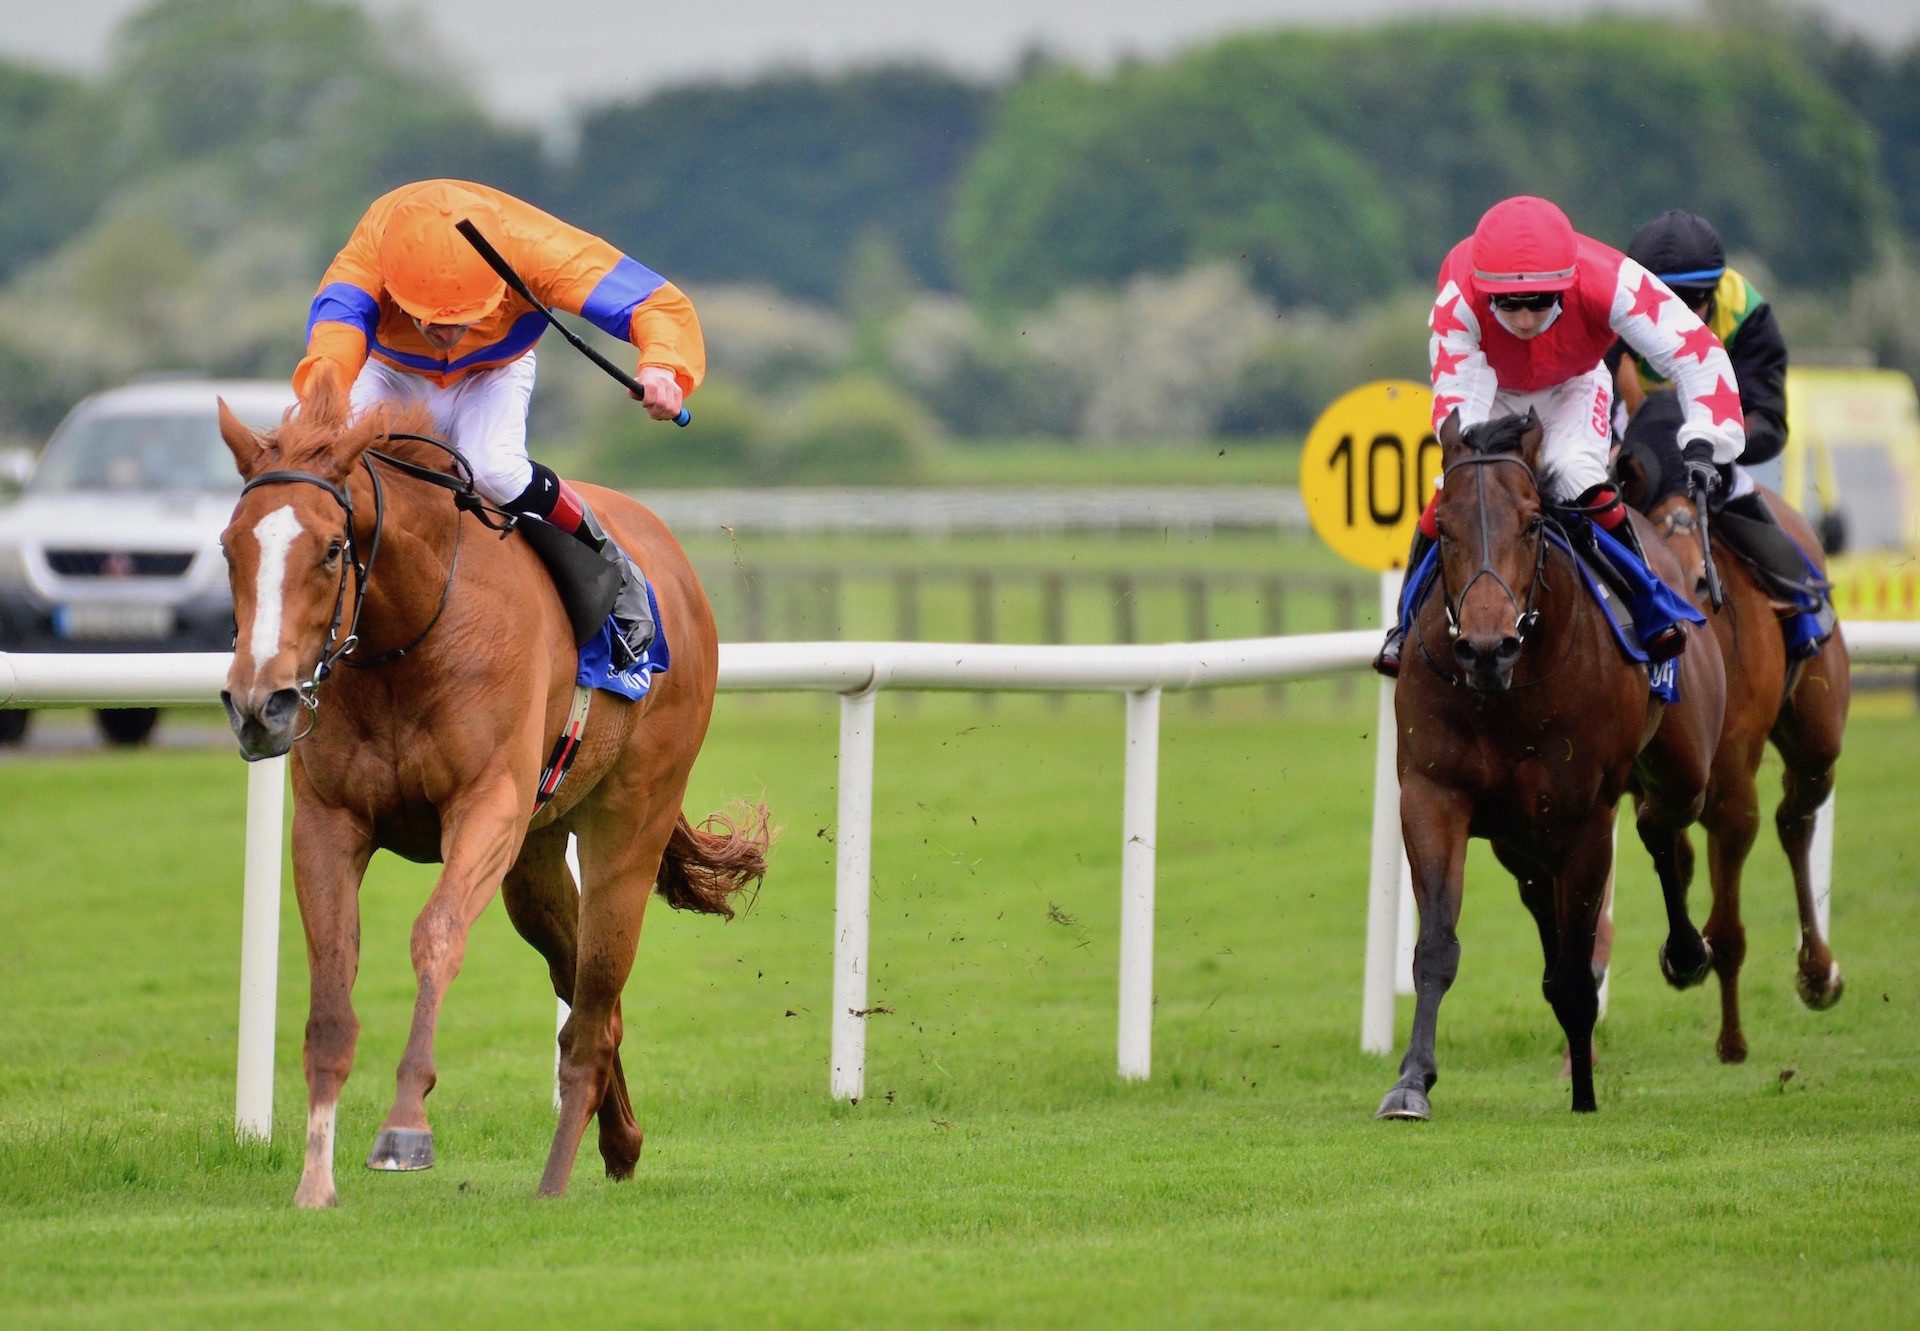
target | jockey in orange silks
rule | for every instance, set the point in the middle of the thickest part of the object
(408, 312)
(1526, 312)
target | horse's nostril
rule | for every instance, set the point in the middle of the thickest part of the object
(281, 706)
(1464, 652)
(1508, 649)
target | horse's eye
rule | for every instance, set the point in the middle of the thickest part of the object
(1535, 523)
(333, 552)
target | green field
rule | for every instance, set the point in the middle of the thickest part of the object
(997, 1172)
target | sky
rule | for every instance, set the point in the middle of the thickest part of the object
(597, 50)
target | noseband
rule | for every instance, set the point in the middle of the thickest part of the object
(465, 498)
(1526, 617)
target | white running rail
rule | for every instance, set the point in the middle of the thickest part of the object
(857, 671)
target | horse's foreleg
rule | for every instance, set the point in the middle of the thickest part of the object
(330, 853)
(1433, 822)
(1580, 890)
(1732, 821)
(619, 866)
(480, 839)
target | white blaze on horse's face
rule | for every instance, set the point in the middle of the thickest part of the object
(276, 533)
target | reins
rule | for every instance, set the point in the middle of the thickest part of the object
(466, 498)
(1527, 615)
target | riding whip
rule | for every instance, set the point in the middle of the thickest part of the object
(499, 265)
(1716, 594)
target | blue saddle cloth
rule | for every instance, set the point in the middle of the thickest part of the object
(596, 658)
(1811, 624)
(1653, 602)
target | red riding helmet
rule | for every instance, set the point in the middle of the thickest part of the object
(1524, 244)
(428, 267)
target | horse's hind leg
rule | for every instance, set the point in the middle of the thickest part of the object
(1732, 820)
(330, 853)
(479, 841)
(1433, 820)
(544, 905)
(620, 866)
(1808, 735)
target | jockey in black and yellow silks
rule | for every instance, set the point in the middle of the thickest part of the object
(1683, 250)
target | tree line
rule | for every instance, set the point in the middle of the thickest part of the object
(178, 208)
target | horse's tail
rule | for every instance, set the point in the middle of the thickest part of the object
(704, 866)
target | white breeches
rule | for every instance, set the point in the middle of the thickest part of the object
(1577, 419)
(483, 416)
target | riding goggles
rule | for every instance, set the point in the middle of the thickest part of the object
(1536, 301)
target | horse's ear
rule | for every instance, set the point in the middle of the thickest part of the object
(1530, 436)
(1630, 476)
(1449, 434)
(352, 441)
(241, 441)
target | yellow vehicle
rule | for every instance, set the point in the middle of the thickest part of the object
(1852, 465)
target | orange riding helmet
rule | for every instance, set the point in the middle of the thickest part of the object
(428, 267)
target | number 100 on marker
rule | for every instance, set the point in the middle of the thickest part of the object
(1366, 470)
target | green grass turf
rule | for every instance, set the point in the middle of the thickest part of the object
(997, 1172)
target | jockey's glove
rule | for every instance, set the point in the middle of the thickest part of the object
(1703, 478)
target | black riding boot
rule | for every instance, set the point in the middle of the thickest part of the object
(632, 615)
(1661, 643)
(1751, 528)
(1387, 663)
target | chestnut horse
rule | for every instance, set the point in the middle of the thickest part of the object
(433, 751)
(1520, 721)
(1802, 709)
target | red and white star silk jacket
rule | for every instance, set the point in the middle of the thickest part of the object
(1473, 356)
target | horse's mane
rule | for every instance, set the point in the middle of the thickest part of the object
(1500, 435)
(324, 428)
(1653, 438)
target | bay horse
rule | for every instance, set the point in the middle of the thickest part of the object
(1520, 721)
(433, 749)
(1802, 708)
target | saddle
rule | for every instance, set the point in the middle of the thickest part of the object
(586, 582)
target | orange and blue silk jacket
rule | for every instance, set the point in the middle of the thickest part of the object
(569, 269)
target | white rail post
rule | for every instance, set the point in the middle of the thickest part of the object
(1388, 869)
(852, 891)
(1820, 865)
(260, 948)
(1139, 819)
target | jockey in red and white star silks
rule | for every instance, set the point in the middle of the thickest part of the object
(1526, 311)
(1483, 369)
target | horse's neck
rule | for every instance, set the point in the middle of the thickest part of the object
(1562, 601)
(410, 568)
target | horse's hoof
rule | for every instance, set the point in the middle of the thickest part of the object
(1821, 992)
(315, 1198)
(1692, 975)
(401, 1149)
(1406, 1103)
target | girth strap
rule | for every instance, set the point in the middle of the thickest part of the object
(565, 749)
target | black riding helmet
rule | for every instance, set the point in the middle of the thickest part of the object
(1683, 250)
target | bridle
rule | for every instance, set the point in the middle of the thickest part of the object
(1526, 616)
(338, 648)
